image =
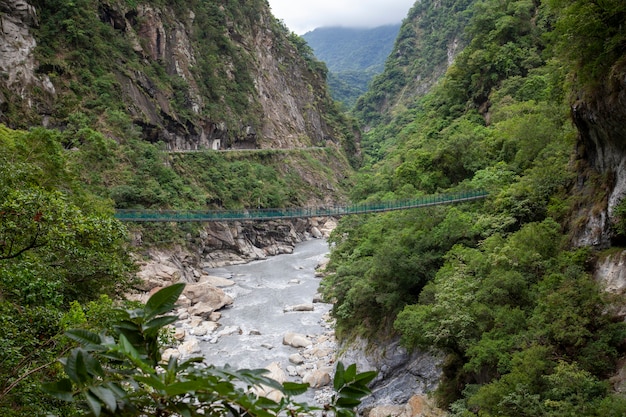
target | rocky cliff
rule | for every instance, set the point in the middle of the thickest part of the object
(219, 244)
(600, 117)
(192, 75)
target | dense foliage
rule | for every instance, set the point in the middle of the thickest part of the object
(63, 259)
(59, 248)
(494, 284)
(429, 37)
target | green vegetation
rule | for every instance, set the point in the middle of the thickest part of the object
(64, 258)
(353, 56)
(493, 285)
(124, 375)
(60, 249)
(420, 55)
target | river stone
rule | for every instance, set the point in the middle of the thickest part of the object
(153, 275)
(205, 328)
(277, 374)
(168, 353)
(317, 378)
(216, 281)
(202, 310)
(179, 334)
(299, 307)
(296, 359)
(189, 347)
(205, 293)
(423, 406)
(195, 321)
(296, 340)
(315, 232)
(229, 330)
(292, 371)
(387, 411)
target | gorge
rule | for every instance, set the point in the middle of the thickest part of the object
(518, 299)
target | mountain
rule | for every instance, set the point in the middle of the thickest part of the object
(353, 56)
(180, 76)
(192, 75)
(428, 41)
(144, 105)
(517, 297)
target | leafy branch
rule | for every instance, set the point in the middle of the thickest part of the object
(124, 375)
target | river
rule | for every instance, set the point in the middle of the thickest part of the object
(254, 326)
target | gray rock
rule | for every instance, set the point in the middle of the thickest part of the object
(296, 340)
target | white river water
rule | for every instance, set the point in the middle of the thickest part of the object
(257, 318)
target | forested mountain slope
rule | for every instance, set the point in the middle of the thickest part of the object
(97, 100)
(190, 74)
(513, 291)
(353, 56)
(429, 39)
(194, 75)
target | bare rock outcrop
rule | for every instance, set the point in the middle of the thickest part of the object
(17, 61)
(600, 117)
(401, 374)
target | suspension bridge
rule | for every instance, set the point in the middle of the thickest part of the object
(294, 212)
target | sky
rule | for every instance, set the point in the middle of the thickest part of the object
(302, 16)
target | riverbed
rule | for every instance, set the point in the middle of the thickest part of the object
(253, 327)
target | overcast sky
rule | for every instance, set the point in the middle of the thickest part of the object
(302, 16)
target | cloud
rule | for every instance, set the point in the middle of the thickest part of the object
(303, 16)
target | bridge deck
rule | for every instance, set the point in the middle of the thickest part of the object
(295, 212)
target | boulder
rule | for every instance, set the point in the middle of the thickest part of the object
(387, 411)
(299, 307)
(423, 406)
(205, 328)
(317, 378)
(157, 274)
(202, 310)
(179, 334)
(296, 359)
(205, 299)
(189, 347)
(277, 374)
(230, 330)
(315, 232)
(168, 353)
(296, 340)
(206, 293)
(216, 281)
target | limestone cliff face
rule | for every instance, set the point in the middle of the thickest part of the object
(600, 118)
(286, 105)
(17, 63)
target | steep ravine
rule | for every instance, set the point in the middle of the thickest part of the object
(404, 378)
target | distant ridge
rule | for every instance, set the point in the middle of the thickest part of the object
(353, 56)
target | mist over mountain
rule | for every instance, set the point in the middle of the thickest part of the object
(353, 56)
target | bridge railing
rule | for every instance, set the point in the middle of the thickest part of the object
(293, 212)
